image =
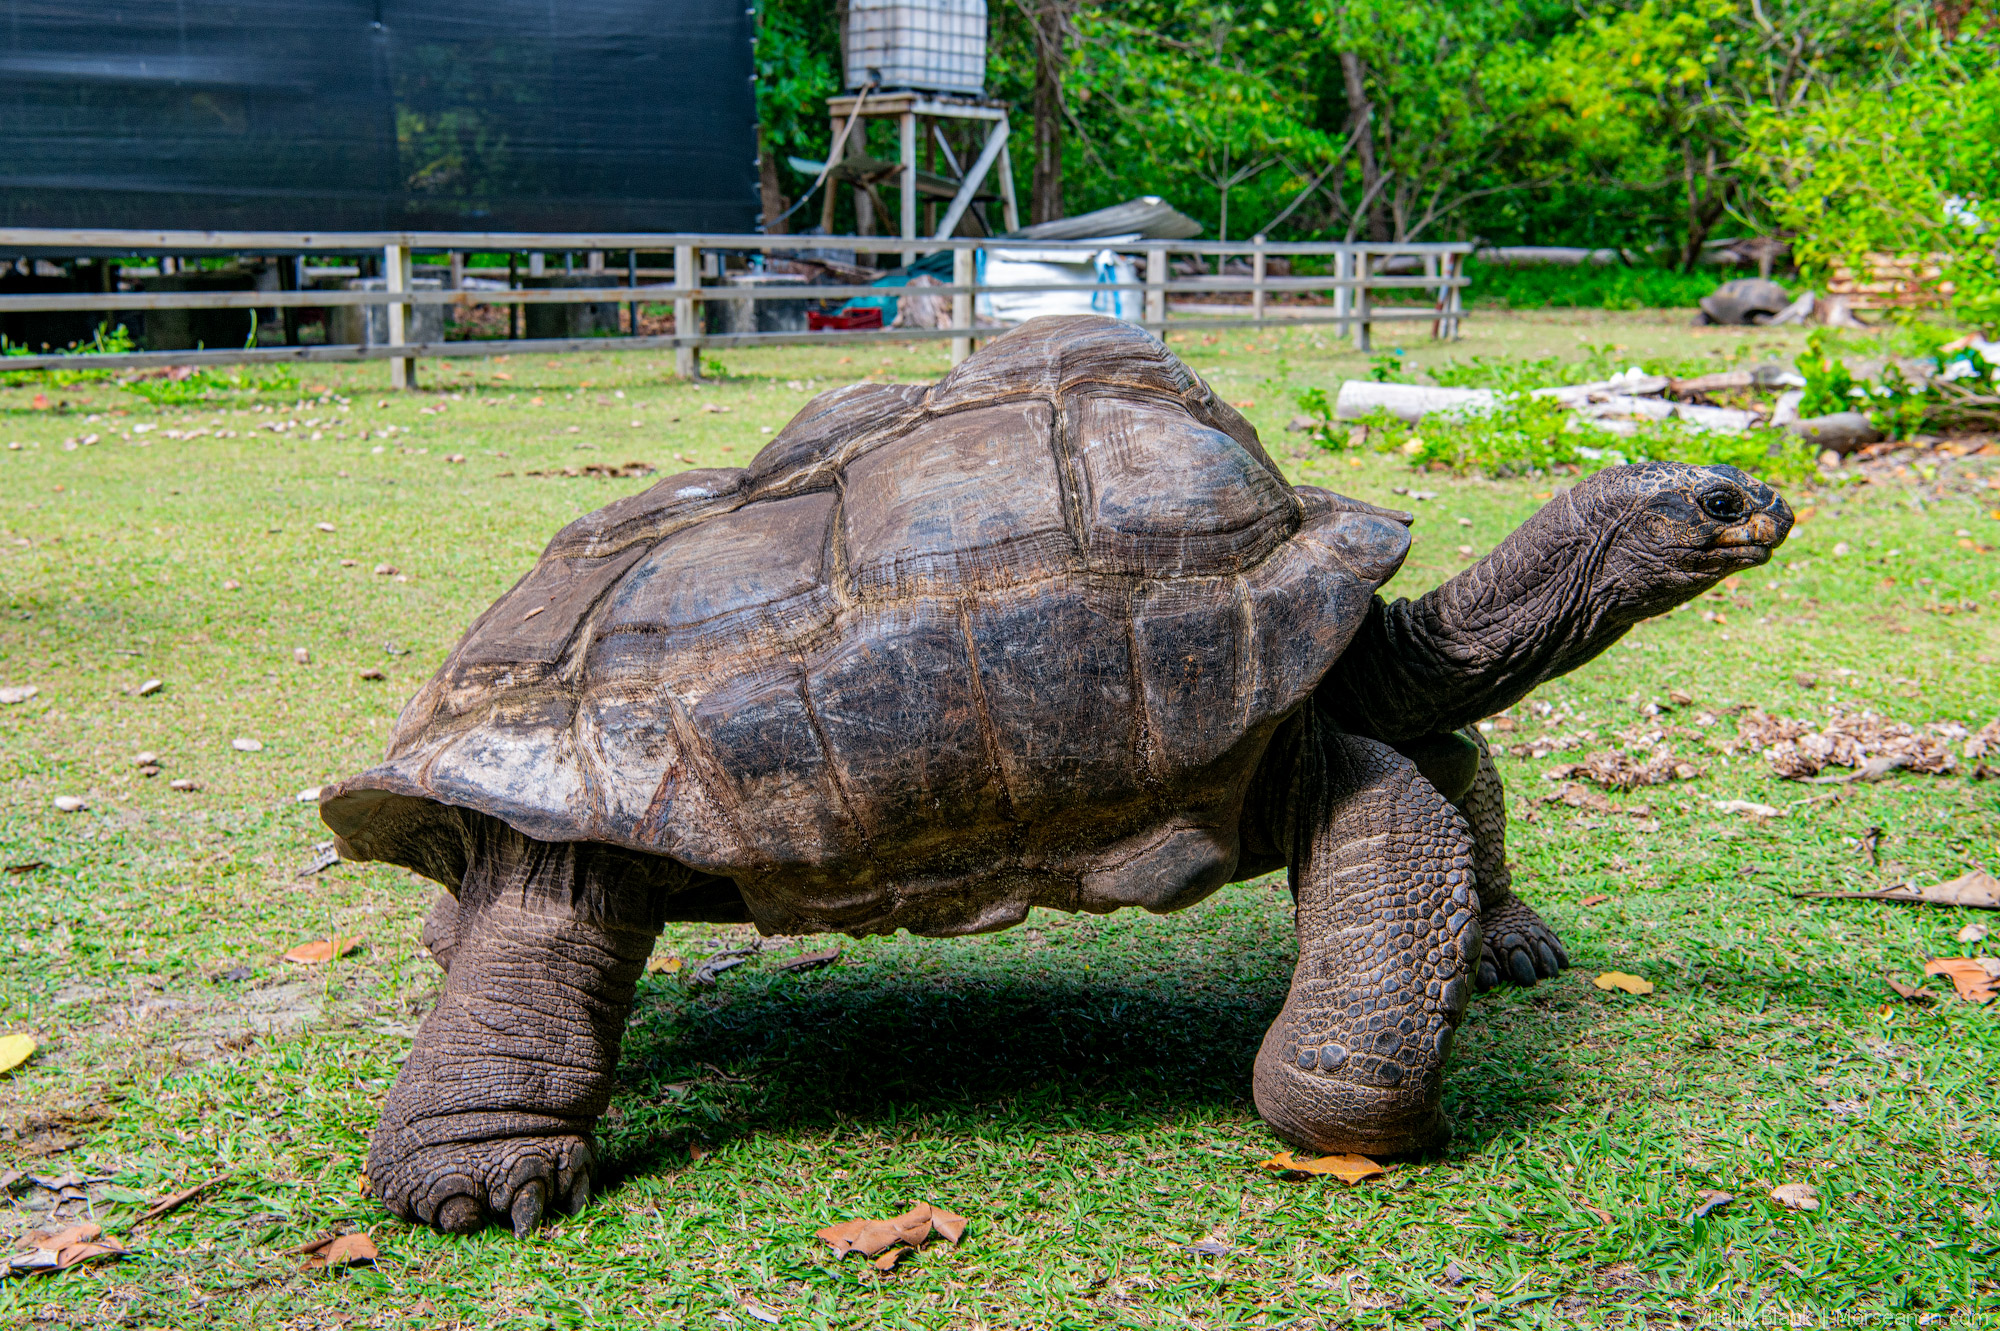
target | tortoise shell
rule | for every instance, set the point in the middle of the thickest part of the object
(936, 656)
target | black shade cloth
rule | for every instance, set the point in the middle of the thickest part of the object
(503, 115)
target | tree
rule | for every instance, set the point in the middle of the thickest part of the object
(1655, 99)
(1051, 25)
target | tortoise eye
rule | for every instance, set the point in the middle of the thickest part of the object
(1724, 505)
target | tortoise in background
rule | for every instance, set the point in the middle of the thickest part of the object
(1054, 632)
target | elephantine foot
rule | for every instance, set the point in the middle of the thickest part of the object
(1519, 947)
(491, 1118)
(1388, 928)
(462, 1186)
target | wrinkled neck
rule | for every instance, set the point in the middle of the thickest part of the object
(1534, 608)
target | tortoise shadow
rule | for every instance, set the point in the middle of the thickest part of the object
(963, 1047)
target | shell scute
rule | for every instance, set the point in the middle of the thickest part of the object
(1169, 498)
(972, 502)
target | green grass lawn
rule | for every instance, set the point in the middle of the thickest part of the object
(1077, 1087)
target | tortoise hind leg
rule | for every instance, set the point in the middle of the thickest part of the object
(492, 1116)
(1520, 947)
(1388, 926)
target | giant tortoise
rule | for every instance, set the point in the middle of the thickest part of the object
(1053, 631)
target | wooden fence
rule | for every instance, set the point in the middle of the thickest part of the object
(1356, 291)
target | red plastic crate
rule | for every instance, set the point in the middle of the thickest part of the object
(869, 316)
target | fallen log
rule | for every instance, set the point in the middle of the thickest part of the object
(1410, 402)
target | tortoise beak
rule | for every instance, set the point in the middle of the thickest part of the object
(1757, 529)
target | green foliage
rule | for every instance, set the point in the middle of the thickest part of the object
(102, 343)
(1829, 385)
(201, 384)
(1513, 374)
(798, 68)
(1386, 367)
(1644, 286)
(1531, 436)
(1895, 404)
(1526, 435)
(1912, 168)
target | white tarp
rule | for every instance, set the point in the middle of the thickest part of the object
(1032, 267)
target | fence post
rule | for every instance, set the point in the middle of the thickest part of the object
(1343, 295)
(396, 277)
(1455, 294)
(962, 303)
(1258, 267)
(687, 355)
(1156, 291)
(1363, 270)
(632, 280)
(1434, 267)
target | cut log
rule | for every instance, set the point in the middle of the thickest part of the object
(1410, 402)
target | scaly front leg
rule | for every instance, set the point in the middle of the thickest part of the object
(1388, 926)
(492, 1117)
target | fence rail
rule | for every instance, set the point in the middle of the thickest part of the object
(700, 276)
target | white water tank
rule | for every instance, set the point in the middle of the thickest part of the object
(920, 45)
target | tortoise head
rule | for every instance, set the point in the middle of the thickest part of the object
(1619, 547)
(1668, 531)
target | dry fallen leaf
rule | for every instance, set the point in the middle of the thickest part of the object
(1908, 991)
(879, 1239)
(337, 1250)
(1711, 1202)
(671, 965)
(39, 1251)
(71, 804)
(950, 1224)
(1977, 889)
(1596, 897)
(14, 1050)
(1974, 982)
(148, 688)
(14, 693)
(244, 744)
(323, 949)
(371, 672)
(1972, 933)
(1346, 1168)
(1797, 1196)
(1631, 984)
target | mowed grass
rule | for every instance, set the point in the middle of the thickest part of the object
(1077, 1087)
